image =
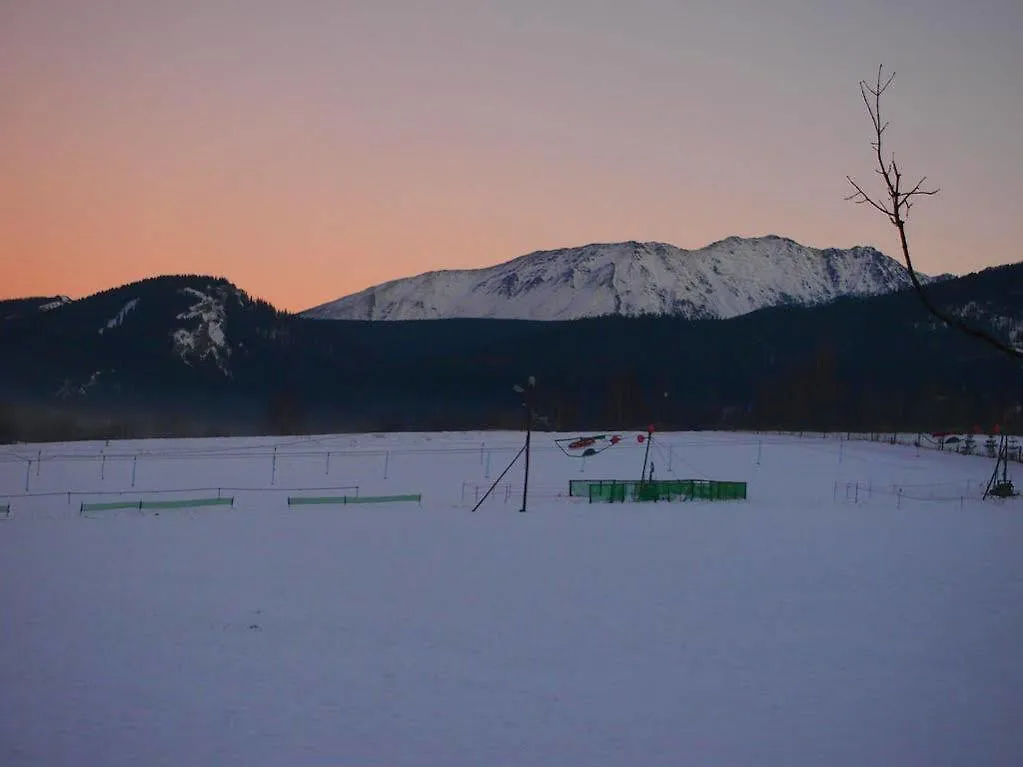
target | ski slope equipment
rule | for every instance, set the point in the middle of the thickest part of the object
(622, 490)
(140, 505)
(581, 447)
(321, 500)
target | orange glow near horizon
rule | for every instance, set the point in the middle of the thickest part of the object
(311, 153)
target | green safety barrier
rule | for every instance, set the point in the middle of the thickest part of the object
(619, 491)
(412, 498)
(187, 503)
(110, 506)
(345, 499)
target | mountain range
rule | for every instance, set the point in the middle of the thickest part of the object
(194, 354)
(725, 279)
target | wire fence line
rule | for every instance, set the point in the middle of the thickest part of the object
(866, 492)
(670, 440)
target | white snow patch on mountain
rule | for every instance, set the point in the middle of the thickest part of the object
(56, 303)
(118, 319)
(725, 279)
(205, 338)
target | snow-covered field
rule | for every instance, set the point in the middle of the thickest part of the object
(863, 607)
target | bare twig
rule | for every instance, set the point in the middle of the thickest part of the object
(897, 203)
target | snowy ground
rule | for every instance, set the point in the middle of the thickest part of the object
(862, 608)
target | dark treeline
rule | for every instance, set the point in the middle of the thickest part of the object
(876, 364)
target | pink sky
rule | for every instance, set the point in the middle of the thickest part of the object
(307, 150)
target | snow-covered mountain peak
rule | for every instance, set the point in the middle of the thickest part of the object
(727, 278)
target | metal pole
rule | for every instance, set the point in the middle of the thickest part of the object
(134, 463)
(646, 454)
(273, 470)
(529, 431)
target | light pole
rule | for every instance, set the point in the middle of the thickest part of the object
(528, 394)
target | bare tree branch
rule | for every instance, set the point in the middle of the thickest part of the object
(896, 204)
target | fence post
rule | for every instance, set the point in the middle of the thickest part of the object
(387, 460)
(760, 449)
(103, 467)
(671, 455)
(134, 464)
(28, 473)
(486, 470)
(273, 469)
(39, 462)
(327, 468)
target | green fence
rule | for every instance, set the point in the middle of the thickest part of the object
(5, 510)
(187, 503)
(345, 499)
(615, 490)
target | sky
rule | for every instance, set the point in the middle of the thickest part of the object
(309, 149)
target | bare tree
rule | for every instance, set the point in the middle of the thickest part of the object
(896, 201)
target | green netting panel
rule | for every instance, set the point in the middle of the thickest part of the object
(580, 488)
(187, 503)
(110, 506)
(345, 499)
(611, 491)
(410, 498)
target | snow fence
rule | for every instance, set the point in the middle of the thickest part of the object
(621, 490)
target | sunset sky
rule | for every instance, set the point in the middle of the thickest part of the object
(309, 149)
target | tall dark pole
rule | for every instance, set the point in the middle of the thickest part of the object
(530, 385)
(646, 455)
